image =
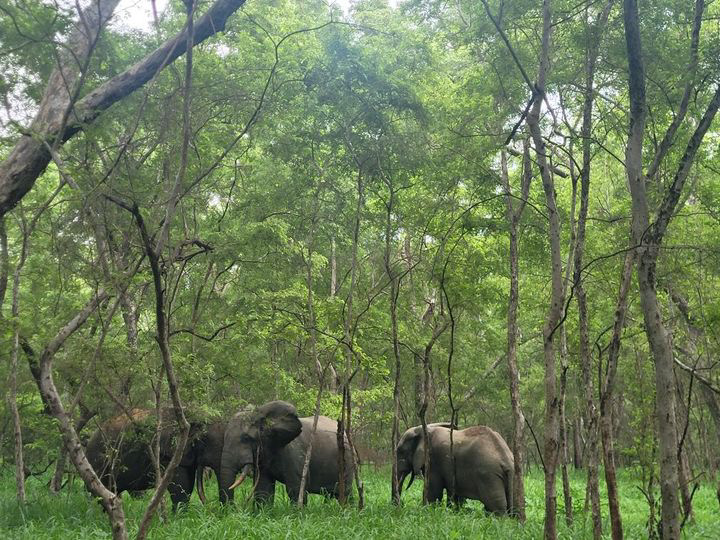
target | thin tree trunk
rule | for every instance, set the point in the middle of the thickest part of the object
(684, 472)
(333, 268)
(153, 254)
(312, 338)
(14, 412)
(594, 35)
(577, 444)
(438, 330)
(344, 423)
(394, 292)
(607, 397)
(513, 217)
(4, 264)
(60, 462)
(12, 379)
(567, 493)
(557, 301)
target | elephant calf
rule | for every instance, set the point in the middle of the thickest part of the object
(120, 454)
(270, 443)
(483, 468)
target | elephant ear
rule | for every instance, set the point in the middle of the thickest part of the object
(277, 424)
(418, 449)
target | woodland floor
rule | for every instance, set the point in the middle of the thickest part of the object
(73, 514)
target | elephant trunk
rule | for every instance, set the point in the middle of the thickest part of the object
(401, 479)
(227, 476)
(228, 481)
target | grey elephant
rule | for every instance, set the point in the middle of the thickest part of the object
(270, 444)
(483, 468)
(119, 451)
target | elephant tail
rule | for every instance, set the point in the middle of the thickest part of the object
(508, 481)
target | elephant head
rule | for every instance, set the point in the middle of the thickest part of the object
(411, 453)
(252, 439)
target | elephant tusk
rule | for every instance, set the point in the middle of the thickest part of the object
(412, 479)
(200, 484)
(239, 481)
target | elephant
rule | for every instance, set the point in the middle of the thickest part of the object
(483, 468)
(270, 444)
(119, 451)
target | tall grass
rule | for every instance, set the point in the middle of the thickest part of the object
(73, 514)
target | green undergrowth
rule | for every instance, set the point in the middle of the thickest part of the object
(73, 514)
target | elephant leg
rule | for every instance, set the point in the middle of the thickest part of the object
(293, 491)
(264, 489)
(181, 486)
(435, 491)
(495, 501)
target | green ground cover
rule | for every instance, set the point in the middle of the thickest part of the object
(73, 514)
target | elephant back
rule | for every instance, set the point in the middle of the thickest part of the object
(492, 443)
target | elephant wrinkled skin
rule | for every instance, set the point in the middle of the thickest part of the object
(270, 444)
(483, 468)
(120, 454)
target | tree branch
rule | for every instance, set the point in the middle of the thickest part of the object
(29, 157)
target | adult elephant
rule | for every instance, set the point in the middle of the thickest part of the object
(119, 451)
(270, 444)
(482, 468)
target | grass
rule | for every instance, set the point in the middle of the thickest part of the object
(73, 514)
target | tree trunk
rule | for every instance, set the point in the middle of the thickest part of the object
(344, 425)
(14, 412)
(591, 412)
(60, 462)
(556, 307)
(4, 263)
(392, 305)
(607, 398)
(513, 217)
(567, 494)
(312, 338)
(649, 238)
(577, 444)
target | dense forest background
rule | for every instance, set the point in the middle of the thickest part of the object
(501, 213)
